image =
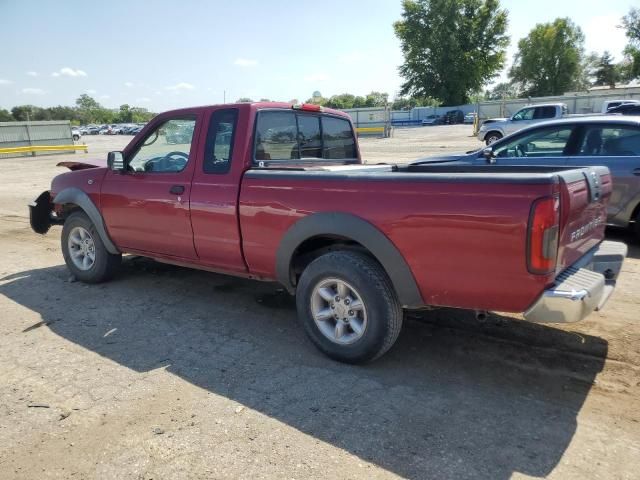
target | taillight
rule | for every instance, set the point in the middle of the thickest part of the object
(544, 225)
(309, 107)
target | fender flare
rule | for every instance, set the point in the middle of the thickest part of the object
(356, 229)
(81, 199)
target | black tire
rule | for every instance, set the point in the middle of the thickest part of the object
(105, 264)
(76, 138)
(492, 137)
(636, 226)
(384, 312)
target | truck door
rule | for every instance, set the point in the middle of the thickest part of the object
(216, 188)
(147, 208)
(538, 146)
(617, 147)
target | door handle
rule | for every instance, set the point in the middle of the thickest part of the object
(177, 189)
(636, 172)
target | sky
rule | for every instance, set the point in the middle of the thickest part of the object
(162, 54)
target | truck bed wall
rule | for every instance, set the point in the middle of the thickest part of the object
(465, 243)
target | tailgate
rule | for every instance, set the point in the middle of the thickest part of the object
(584, 194)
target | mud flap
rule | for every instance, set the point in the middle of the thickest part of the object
(40, 213)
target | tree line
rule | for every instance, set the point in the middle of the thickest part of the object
(85, 111)
(452, 48)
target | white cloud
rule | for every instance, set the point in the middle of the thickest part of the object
(180, 86)
(69, 72)
(91, 91)
(128, 84)
(143, 100)
(245, 62)
(32, 74)
(33, 91)
(316, 77)
(105, 97)
(4, 81)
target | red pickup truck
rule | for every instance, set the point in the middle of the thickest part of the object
(275, 191)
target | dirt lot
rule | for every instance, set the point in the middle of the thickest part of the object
(172, 373)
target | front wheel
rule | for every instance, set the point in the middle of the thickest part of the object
(348, 307)
(83, 250)
(492, 138)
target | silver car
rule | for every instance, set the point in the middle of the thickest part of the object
(613, 141)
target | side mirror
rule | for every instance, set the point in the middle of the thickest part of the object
(115, 161)
(488, 155)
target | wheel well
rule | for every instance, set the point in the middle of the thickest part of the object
(67, 209)
(314, 247)
(492, 131)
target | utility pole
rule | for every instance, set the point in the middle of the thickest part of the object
(224, 96)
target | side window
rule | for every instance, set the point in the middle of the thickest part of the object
(610, 141)
(276, 134)
(338, 139)
(524, 114)
(309, 136)
(220, 137)
(545, 142)
(166, 149)
(544, 112)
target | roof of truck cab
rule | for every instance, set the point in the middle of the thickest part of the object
(251, 105)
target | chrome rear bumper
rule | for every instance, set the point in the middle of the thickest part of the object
(582, 288)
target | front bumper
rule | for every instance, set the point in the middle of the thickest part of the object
(582, 288)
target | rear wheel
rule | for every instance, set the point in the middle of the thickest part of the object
(348, 307)
(83, 250)
(492, 138)
(76, 138)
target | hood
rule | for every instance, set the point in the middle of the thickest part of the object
(455, 157)
(494, 120)
(83, 164)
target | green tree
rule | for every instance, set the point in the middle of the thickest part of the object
(550, 59)
(376, 99)
(5, 116)
(631, 25)
(125, 115)
(22, 113)
(244, 100)
(606, 72)
(451, 48)
(502, 91)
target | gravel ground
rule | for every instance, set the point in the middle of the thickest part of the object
(172, 373)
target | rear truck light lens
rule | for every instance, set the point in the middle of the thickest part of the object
(544, 229)
(309, 107)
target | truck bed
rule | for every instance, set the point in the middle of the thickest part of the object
(462, 229)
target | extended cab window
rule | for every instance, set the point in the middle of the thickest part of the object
(284, 135)
(610, 141)
(219, 147)
(338, 139)
(543, 142)
(166, 149)
(545, 112)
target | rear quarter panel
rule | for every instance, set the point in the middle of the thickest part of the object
(465, 243)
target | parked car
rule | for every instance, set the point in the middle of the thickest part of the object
(470, 117)
(432, 120)
(83, 130)
(494, 129)
(453, 117)
(581, 141)
(305, 211)
(626, 109)
(609, 104)
(93, 130)
(75, 134)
